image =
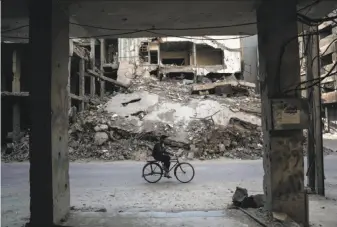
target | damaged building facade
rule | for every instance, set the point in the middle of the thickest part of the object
(328, 50)
(101, 66)
(186, 57)
(327, 45)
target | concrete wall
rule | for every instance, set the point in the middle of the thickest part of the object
(230, 45)
(332, 116)
(250, 58)
(128, 49)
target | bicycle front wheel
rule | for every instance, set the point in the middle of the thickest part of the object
(184, 172)
(152, 172)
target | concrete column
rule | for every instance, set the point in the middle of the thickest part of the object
(194, 52)
(283, 155)
(49, 163)
(81, 82)
(92, 61)
(16, 87)
(311, 129)
(103, 61)
(317, 116)
(68, 85)
(327, 118)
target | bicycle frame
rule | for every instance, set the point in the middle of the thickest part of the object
(175, 161)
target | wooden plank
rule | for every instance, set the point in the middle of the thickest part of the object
(329, 97)
(115, 82)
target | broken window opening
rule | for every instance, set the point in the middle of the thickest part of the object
(87, 85)
(98, 56)
(173, 61)
(98, 87)
(144, 52)
(172, 53)
(325, 32)
(153, 57)
(74, 77)
(328, 87)
(112, 49)
(326, 60)
(109, 88)
(207, 55)
(76, 103)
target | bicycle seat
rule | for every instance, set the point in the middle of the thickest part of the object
(151, 161)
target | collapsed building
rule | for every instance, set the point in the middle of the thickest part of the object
(99, 67)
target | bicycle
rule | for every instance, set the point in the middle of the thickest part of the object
(156, 169)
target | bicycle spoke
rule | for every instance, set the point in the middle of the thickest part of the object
(184, 172)
(151, 172)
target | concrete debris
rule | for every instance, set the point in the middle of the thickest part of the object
(241, 199)
(126, 125)
(101, 138)
(126, 72)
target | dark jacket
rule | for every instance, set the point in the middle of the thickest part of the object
(159, 150)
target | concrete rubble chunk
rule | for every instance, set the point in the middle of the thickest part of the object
(101, 138)
(241, 199)
(126, 72)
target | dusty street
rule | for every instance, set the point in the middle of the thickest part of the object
(119, 188)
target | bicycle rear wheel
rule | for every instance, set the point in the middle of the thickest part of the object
(184, 172)
(152, 172)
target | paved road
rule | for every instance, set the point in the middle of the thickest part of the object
(118, 187)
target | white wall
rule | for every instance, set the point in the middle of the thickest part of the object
(250, 58)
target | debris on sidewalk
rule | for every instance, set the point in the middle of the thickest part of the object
(241, 199)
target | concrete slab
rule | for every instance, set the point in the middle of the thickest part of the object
(146, 101)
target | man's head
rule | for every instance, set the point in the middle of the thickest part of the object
(162, 138)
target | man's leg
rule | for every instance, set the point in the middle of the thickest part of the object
(167, 163)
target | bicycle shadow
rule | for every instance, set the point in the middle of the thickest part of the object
(167, 183)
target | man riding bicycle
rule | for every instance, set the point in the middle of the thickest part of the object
(160, 154)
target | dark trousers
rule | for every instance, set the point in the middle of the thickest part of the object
(165, 159)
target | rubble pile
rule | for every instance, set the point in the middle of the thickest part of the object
(128, 130)
(175, 90)
(101, 136)
(16, 152)
(239, 139)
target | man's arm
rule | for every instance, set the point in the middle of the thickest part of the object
(166, 152)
